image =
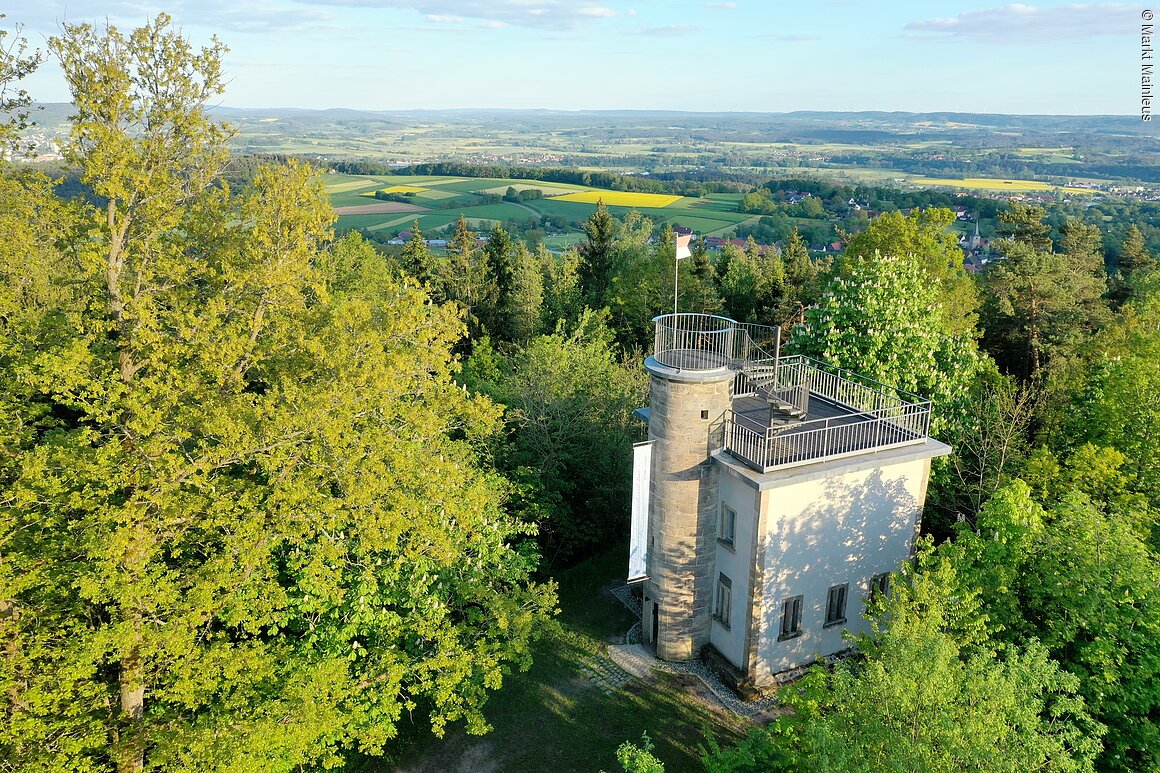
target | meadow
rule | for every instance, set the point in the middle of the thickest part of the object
(436, 203)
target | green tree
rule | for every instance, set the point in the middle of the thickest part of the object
(466, 277)
(523, 309)
(1134, 257)
(1116, 404)
(569, 406)
(596, 254)
(923, 236)
(885, 323)
(416, 258)
(990, 445)
(16, 63)
(1024, 223)
(1043, 304)
(563, 296)
(1079, 577)
(1135, 266)
(519, 288)
(754, 284)
(801, 274)
(237, 531)
(929, 695)
(642, 286)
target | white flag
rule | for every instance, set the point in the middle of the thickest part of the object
(683, 250)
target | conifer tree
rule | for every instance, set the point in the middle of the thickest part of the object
(416, 259)
(596, 255)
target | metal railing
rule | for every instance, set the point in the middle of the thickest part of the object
(788, 445)
(876, 415)
(698, 342)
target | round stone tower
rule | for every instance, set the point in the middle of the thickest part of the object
(690, 389)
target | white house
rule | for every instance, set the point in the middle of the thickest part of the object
(780, 493)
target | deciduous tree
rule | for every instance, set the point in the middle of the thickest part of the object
(237, 531)
(923, 236)
(885, 323)
(930, 695)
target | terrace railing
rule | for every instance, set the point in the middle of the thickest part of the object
(771, 448)
(874, 416)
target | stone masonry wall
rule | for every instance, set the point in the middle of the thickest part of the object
(683, 508)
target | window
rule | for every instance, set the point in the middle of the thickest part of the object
(727, 526)
(791, 618)
(724, 600)
(836, 605)
(879, 586)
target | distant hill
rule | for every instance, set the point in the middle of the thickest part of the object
(876, 146)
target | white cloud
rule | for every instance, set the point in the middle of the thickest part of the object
(1026, 23)
(438, 18)
(278, 15)
(540, 14)
(493, 25)
(667, 31)
(260, 16)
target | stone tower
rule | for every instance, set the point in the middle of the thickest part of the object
(773, 500)
(689, 393)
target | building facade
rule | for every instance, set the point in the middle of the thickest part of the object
(781, 494)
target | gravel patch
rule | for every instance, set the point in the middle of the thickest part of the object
(638, 660)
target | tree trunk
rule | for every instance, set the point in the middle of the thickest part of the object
(132, 755)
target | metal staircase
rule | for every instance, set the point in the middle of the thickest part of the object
(763, 380)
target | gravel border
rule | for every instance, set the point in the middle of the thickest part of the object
(637, 659)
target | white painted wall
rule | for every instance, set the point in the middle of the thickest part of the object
(844, 526)
(736, 564)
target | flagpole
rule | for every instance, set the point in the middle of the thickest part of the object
(682, 251)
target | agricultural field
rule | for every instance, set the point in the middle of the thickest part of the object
(623, 199)
(437, 202)
(995, 184)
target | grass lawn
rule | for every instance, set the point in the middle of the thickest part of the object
(557, 717)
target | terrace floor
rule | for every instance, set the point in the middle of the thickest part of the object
(754, 413)
(848, 431)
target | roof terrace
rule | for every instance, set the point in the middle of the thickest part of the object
(789, 411)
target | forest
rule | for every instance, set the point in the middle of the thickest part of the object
(269, 492)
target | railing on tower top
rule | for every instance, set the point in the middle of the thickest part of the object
(874, 415)
(707, 342)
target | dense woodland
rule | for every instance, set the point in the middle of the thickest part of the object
(267, 490)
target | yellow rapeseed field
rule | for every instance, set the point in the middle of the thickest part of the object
(403, 189)
(995, 184)
(620, 198)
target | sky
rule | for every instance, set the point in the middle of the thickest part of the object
(738, 55)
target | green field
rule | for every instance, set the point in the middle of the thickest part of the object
(449, 197)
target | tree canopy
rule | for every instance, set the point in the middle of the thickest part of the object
(245, 524)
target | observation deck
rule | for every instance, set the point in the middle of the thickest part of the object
(787, 411)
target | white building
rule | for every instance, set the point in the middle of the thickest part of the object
(781, 491)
